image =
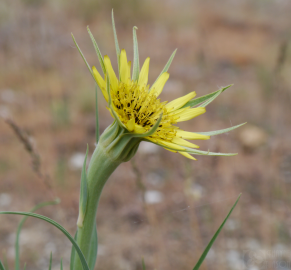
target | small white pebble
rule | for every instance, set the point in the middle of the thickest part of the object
(153, 197)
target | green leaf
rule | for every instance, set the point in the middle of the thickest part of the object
(116, 43)
(1, 266)
(143, 264)
(57, 225)
(167, 66)
(73, 253)
(83, 193)
(88, 66)
(24, 266)
(61, 263)
(20, 225)
(199, 100)
(97, 131)
(98, 52)
(204, 254)
(221, 131)
(51, 260)
(93, 250)
(135, 71)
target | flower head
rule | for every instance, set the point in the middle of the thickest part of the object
(137, 108)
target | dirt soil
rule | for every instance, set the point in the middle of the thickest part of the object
(161, 207)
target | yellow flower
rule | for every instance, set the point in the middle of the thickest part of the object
(138, 107)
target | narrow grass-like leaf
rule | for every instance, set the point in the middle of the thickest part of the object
(61, 264)
(98, 52)
(57, 225)
(143, 264)
(83, 193)
(1, 266)
(116, 43)
(199, 100)
(88, 66)
(24, 266)
(51, 261)
(97, 131)
(204, 254)
(93, 249)
(221, 131)
(135, 71)
(38, 206)
(167, 66)
(73, 253)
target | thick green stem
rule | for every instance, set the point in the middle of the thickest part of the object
(100, 168)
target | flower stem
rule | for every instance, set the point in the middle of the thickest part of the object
(100, 168)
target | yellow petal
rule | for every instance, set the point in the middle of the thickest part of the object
(191, 135)
(187, 155)
(130, 125)
(111, 73)
(129, 67)
(169, 144)
(139, 129)
(180, 102)
(100, 81)
(183, 142)
(190, 113)
(123, 66)
(158, 86)
(171, 150)
(144, 73)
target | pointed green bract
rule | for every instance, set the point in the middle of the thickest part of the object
(57, 225)
(83, 193)
(88, 66)
(38, 206)
(97, 131)
(116, 44)
(143, 264)
(135, 71)
(204, 104)
(167, 66)
(98, 52)
(204, 254)
(199, 100)
(206, 153)
(61, 267)
(51, 260)
(24, 266)
(221, 131)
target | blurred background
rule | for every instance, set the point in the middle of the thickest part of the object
(161, 207)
